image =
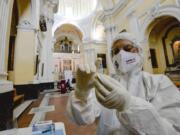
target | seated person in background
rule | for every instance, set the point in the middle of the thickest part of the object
(133, 103)
(73, 83)
(68, 85)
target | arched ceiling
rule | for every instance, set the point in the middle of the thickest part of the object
(159, 24)
(76, 8)
(108, 4)
(68, 30)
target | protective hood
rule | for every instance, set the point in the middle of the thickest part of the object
(130, 37)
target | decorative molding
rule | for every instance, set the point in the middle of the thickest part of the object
(53, 3)
(97, 42)
(155, 6)
(65, 55)
(132, 7)
(170, 10)
(5, 86)
(26, 25)
(121, 5)
(89, 41)
(3, 74)
(154, 11)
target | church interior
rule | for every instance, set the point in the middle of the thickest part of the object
(42, 43)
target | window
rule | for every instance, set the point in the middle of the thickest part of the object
(153, 58)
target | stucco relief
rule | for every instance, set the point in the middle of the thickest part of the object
(25, 24)
(155, 12)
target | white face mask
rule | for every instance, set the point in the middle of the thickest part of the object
(125, 62)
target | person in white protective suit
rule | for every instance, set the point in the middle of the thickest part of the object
(133, 102)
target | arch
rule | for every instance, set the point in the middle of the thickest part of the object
(96, 21)
(157, 39)
(78, 9)
(159, 12)
(59, 24)
(67, 29)
(68, 39)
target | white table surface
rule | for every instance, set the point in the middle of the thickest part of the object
(28, 130)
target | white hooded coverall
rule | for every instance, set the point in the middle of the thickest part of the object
(154, 108)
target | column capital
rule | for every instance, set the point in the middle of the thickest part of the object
(3, 75)
(53, 4)
(26, 25)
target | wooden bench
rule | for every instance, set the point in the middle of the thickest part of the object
(18, 99)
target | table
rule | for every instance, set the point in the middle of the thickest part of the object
(28, 130)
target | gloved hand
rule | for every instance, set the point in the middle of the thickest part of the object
(84, 81)
(110, 93)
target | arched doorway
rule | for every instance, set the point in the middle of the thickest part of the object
(161, 33)
(68, 40)
(163, 38)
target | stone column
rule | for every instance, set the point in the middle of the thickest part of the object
(24, 57)
(110, 30)
(6, 87)
(5, 24)
(49, 51)
(48, 9)
(147, 66)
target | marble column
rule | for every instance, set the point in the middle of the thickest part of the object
(46, 55)
(49, 51)
(109, 35)
(110, 30)
(5, 23)
(147, 66)
(6, 87)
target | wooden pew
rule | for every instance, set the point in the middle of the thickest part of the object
(18, 99)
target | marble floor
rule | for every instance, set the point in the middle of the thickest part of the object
(58, 114)
(25, 118)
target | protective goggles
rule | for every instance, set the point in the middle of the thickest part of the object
(127, 48)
